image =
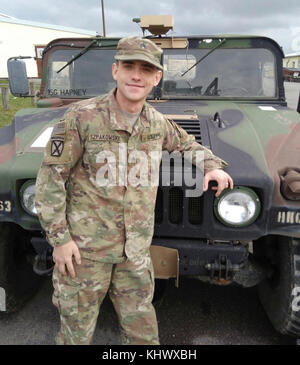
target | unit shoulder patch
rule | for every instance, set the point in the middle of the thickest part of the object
(57, 147)
(58, 139)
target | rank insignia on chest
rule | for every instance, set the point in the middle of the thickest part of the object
(57, 147)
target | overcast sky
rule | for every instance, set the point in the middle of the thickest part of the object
(277, 19)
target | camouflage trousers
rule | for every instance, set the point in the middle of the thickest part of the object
(130, 287)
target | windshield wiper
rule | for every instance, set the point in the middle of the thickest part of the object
(106, 44)
(78, 54)
(207, 54)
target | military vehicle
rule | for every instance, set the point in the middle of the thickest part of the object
(228, 91)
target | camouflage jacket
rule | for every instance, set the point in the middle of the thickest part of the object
(114, 221)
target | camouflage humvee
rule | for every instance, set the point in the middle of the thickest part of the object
(228, 91)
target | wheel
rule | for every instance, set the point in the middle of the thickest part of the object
(279, 293)
(16, 275)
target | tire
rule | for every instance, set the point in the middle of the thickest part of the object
(16, 274)
(277, 293)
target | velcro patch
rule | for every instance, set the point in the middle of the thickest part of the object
(150, 137)
(59, 129)
(57, 147)
(58, 139)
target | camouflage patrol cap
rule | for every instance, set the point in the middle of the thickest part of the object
(140, 49)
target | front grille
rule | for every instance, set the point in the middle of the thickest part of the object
(175, 201)
(195, 208)
(159, 207)
(191, 127)
(175, 205)
(179, 208)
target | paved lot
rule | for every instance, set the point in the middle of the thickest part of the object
(195, 313)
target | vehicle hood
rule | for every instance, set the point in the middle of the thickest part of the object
(20, 147)
(258, 141)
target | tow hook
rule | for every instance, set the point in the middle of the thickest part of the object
(222, 270)
(43, 264)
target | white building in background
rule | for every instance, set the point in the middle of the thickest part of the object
(26, 38)
(292, 60)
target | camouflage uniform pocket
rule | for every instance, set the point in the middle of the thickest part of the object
(96, 157)
(65, 296)
(93, 149)
(68, 303)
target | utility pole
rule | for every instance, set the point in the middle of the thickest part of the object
(103, 18)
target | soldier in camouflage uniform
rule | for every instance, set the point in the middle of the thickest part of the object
(101, 233)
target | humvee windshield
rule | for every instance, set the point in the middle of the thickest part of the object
(241, 73)
(89, 75)
(225, 73)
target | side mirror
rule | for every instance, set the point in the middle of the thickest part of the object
(18, 82)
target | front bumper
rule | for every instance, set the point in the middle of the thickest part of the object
(204, 258)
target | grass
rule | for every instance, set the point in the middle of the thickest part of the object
(15, 104)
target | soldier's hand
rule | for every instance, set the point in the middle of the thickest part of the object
(221, 177)
(63, 256)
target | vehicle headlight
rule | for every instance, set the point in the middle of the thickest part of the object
(238, 207)
(28, 197)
